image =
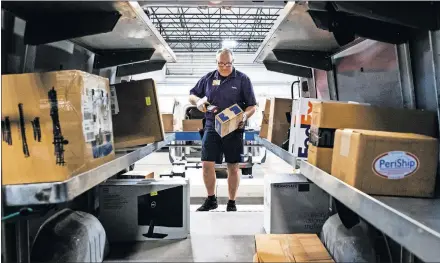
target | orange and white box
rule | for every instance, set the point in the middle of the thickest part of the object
(300, 127)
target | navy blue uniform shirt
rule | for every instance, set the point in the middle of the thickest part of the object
(224, 92)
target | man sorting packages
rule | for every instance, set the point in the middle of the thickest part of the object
(145, 209)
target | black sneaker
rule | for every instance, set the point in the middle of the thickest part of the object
(231, 207)
(209, 204)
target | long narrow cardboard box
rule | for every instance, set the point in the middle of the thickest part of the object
(55, 125)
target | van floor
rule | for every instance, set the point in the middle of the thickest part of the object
(216, 236)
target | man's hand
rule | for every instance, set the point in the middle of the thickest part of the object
(201, 104)
(242, 123)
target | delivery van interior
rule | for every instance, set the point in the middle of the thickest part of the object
(115, 116)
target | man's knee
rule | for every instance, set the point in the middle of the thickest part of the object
(233, 169)
(208, 168)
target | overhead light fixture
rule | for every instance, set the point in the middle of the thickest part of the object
(215, 2)
(229, 43)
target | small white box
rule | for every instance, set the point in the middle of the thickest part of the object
(300, 127)
(292, 205)
(145, 209)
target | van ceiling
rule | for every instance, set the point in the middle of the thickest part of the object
(201, 26)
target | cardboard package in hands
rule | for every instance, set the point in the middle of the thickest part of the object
(228, 120)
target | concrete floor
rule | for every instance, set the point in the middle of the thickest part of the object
(216, 236)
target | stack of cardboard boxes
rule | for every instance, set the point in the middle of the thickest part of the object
(306, 213)
(381, 151)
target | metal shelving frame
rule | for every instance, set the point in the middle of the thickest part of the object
(414, 223)
(60, 192)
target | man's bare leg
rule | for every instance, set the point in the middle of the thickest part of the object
(209, 180)
(233, 183)
(209, 177)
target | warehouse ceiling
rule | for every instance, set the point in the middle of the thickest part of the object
(208, 28)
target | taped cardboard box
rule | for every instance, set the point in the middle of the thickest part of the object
(290, 248)
(55, 125)
(227, 121)
(265, 122)
(192, 125)
(386, 163)
(168, 122)
(328, 116)
(136, 119)
(279, 124)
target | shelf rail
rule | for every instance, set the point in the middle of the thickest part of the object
(60, 192)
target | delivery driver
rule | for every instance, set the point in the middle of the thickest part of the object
(223, 87)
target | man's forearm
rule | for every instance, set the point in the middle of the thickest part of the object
(250, 111)
(193, 99)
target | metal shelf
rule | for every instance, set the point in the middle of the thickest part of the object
(414, 223)
(60, 192)
(294, 29)
(134, 30)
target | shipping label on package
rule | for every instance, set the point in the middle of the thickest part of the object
(97, 119)
(114, 100)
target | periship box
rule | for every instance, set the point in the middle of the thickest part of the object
(142, 210)
(292, 204)
(386, 163)
(55, 125)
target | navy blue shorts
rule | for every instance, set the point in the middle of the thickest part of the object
(213, 146)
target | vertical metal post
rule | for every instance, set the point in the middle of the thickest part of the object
(406, 76)
(434, 44)
(406, 256)
(23, 248)
(312, 86)
(331, 80)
